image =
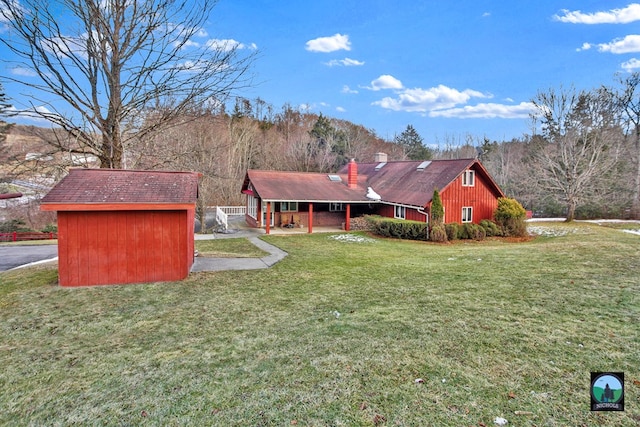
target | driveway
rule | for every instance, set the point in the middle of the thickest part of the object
(15, 256)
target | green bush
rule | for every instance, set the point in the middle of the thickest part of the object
(491, 229)
(399, 229)
(438, 233)
(50, 228)
(510, 217)
(471, 231)
(453, 230)
(13, 225)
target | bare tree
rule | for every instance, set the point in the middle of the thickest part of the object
(111, 62)
(4, 106)
(580, 145)
(628, 97)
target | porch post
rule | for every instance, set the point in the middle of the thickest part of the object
(310, 217)
(268, 224)
(347, 223)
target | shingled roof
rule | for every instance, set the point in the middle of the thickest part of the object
(412, 182)
(114, 186)
(401, 182)
(304, 186)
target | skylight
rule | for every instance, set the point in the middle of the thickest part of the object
(422, 166)
(334, 178)
(380, 165)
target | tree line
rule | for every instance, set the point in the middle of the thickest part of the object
(136, 90)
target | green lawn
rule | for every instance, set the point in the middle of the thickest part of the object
(336, 334)
(228, 248)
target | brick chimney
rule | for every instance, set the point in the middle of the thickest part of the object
(380, 157)
(352, 171)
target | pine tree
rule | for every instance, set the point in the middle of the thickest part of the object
(412, 144)
(437, 210)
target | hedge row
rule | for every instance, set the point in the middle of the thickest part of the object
(398, 228)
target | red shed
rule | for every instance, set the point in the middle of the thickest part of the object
(124, 226)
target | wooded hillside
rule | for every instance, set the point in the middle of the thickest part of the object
(222, 146)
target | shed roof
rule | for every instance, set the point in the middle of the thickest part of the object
(115, 186)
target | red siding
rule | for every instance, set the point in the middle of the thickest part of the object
(410, 214)
(117, 247)
(479, 197)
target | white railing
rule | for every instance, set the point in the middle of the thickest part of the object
(231, 210)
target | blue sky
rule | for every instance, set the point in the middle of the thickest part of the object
(449, 68)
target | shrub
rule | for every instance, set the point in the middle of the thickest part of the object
(13, 225)
(437, 210)
(510, 217)
(50, 228)
(476, 232)
(453, 230)
(491, 229)
(400, 229)
(471, 231)
(438, 233)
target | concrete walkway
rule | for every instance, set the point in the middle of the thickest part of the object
(240, 229)
(222, 264)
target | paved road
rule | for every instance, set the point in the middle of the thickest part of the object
(15, 256)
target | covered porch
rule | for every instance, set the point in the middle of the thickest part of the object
(291, 217)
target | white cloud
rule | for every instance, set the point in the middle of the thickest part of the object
(425, 100)
(486, 14)
(187, 44)
(329, 44)
(346, 62)
(34, 114)
(347, 89)
(625, 15)
(226, 45)
(22, 71)
(630, 65)
(385, 81)
(340, 109)
(487, 111)
(628, 44)
(585, 46)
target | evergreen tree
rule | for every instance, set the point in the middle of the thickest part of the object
(411, 143)
(437, 210)
(329, 140)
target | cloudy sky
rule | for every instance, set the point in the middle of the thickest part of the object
(449, 68)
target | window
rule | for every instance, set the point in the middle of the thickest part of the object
(467, 214)
(288, 206)
(264, 214)
(337, 207)
(400, 212)
(252, 207)
(468, 178)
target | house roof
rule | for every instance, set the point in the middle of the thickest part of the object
(303, 186)
(408, 183)
(114, 186)
(412, 182)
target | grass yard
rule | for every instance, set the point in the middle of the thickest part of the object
(337, 334)
(228, 248)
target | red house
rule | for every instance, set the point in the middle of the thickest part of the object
(401, 189)
(122, 226)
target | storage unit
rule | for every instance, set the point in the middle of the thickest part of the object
(123, 226)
